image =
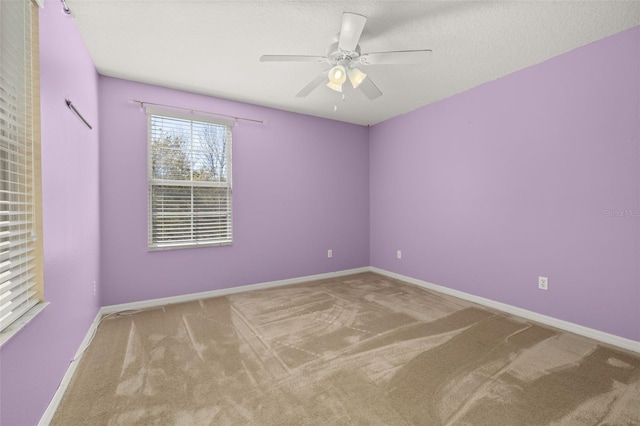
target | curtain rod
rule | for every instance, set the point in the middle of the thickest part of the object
(77, 113)
(143, 103)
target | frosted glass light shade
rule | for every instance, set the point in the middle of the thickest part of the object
(337, 76)
(334, 86)
(356, 77)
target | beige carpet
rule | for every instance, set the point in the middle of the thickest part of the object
(362, 349)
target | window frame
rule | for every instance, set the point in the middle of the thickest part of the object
(192, 184)
(33, 172)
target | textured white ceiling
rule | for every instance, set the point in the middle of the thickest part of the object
(213, 47)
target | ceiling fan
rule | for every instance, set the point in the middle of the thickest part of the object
(344, 56)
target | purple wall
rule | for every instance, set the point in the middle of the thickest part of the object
(487, 190)
(537, 173)
(33, 362)
(300, 187)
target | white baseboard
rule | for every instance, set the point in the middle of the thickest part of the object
(610, 339)
(152, 303)
(47, 417)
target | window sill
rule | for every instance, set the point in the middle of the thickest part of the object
(174, 246)
(20, 323)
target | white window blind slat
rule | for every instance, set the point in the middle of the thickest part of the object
(189, 182)
(16, 203)
(15, 163)
(17, 310)
(17, 185)
(17, 297)
(16, 234)
(12, 245)
(11, 120)
(18, 269)
(15, 252)
(22, 280)
(14, 60)
(12, 224)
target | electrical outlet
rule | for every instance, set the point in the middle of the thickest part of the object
(95, 289)
(329, 254)
(543, 283)
(399, 254)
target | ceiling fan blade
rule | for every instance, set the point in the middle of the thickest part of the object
(396, 57)
(291, 58)
(321, 78)
(352, 26)
(370, 90)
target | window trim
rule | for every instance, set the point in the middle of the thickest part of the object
(151, 246)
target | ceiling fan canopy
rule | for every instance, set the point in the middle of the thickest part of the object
(344, 56)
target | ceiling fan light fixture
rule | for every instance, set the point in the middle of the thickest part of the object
(337, 77)
(333, 86)
(356, 77)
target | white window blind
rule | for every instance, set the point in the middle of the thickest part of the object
(18, 123)
(189, 173)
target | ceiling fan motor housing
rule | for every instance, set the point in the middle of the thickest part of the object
(338, 56)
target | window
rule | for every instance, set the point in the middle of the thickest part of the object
(20, 217)
(189, 162)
